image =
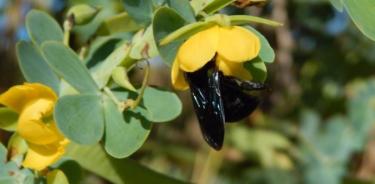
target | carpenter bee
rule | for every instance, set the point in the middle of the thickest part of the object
(218, 99)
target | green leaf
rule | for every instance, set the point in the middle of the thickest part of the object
(33, 66)
(102, 73)
(184, 8)
(103, 46)
(120, 77)
(166, 108)
(42, 27)
(118, 23)
(80, 118)
(362, 12)
(144, 46)
(338, 4)
(8, 119)
(217, 5)
(124, 133)
(266, 54)
(70, 168)
(186, 31)
(257, 69)
(3, 154)
(67, 65)
(17, 146)
(199, 5)
(166, 20)
(119, 171)
(139, 10)
(56, 177)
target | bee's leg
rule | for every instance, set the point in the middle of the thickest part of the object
(249, 85)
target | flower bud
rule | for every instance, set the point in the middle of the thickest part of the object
(82, 13)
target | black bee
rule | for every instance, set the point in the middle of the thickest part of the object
(218, 99)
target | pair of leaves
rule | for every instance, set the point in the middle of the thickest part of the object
(41, 27)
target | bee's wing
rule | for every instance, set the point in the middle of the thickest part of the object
(237, 103)
(208, 105)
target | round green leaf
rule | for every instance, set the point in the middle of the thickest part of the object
(161, 105)
(42, 27)
(124, 133)
(80, 118)
(166, 21)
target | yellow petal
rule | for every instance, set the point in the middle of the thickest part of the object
(19, 96)
(233, 69)
(178, 78)
(198, 49)
(238, 44)
(39, 157)
(32, 125)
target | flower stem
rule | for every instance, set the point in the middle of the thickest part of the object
(144, 85)
(113, 98)
(68, 26)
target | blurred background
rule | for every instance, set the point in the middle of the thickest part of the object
(316, 125)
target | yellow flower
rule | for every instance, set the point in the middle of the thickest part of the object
(35, 102)
(229, 47)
